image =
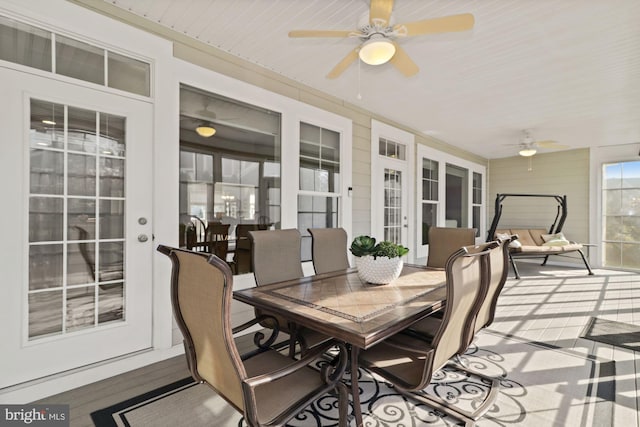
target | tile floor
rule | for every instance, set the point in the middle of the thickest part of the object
(553, 305)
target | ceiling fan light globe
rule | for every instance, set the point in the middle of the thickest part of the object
(205, 131)
(377, 51)
(527, 152)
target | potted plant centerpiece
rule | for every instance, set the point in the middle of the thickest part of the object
(377, 263)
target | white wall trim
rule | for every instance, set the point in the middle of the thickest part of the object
(39, 389)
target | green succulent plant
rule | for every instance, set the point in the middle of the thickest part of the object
(365, 245)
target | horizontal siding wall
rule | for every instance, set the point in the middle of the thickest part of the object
(559, 173)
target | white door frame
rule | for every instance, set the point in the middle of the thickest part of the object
(378, 164)
(24, 359)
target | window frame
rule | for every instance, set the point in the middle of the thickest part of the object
(444, 159)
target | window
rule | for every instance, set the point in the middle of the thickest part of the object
(232, 177)
(621, 214)
(457, 196)
(76, 219)
(319, 182)
(477, 201)
(392, 149)
(429, 197)
(452, 194)
(28, 45)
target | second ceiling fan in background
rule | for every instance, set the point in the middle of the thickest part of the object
(378, 37)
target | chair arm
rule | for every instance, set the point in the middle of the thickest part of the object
(259, 336)
(252, 322)
(310, 356)
(424, 349)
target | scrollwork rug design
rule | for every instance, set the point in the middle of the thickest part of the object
(539, 385)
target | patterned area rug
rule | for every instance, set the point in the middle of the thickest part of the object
(530, 394)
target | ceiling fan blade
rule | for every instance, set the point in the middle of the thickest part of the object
(551, 144)
(319, 33)
(445, 24)
(344, 64)
(403, 63)
(381, 10)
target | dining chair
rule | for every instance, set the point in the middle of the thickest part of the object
(217, 238)
(196, 234)
(444, 241)
(242, 257)
(498, 269)
(276, 258)
(409, 361)
(495, 278)
(266, 386)
(329, 249)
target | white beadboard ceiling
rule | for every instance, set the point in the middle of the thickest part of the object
(567, 69)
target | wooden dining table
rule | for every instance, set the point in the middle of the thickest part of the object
(342, 306)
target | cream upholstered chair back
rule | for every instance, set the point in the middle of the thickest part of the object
(201, 293)
(467, 278)
(276, 255)
(329, 249)
(498, 270)
(443, 242)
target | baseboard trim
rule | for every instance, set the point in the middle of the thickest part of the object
(58, 383)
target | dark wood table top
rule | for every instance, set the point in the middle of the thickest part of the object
(340, 305)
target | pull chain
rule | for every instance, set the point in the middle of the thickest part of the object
(359, 96)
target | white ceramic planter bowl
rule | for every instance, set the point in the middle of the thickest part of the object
(380, 270)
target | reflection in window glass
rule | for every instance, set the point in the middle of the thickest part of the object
(315, 212)
(128, 74)
(47, 125)
(430, 180)
(457, 197)
(621, 214)
(82, 130)
(232, 177)
(477, 201)
(393, 205)
(79, 60)
(65, 252)
(319, 172)
(27, 45)
(24, 44)
(392, 149)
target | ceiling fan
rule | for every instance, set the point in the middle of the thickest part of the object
(529, 146)
(378, 37)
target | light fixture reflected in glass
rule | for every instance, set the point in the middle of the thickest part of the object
(205, 130)
(49, 122)
(528, 152)
(377, 50)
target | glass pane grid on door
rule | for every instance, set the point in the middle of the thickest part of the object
(76, 219)
(621, 215)
(393, 206)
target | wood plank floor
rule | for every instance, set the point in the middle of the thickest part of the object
(85, 400)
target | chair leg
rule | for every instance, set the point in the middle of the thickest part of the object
(515, 269)
(440, 405)
(491, 396)
(586, 262)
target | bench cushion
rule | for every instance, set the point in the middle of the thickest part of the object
(533, 243)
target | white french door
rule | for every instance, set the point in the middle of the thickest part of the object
(392, 185)
(76, 188)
